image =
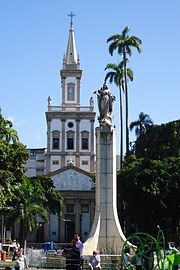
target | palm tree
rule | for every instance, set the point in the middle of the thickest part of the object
(11, 135)
(27, 206)
(116, 75)
(123, 43)
(141, 124)
(7, 133)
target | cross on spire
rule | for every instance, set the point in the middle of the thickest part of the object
(71, 15)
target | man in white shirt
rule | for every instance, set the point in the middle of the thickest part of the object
(21, 262)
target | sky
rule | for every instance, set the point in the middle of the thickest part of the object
(33, 40)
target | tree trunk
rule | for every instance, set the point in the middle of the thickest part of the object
(126, 101)
(121, 86)
(22, 233)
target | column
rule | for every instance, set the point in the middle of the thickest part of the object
(48, 165)
(77, 216)
(77, 143)
(63, 121)
(63, 89)
(92, 211)
(78, 90)
(92, 146)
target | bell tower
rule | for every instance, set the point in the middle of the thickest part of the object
(71, 72)
(70, 127)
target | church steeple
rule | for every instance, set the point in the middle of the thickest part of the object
(71, 72)
(70, 126)
(71, 57)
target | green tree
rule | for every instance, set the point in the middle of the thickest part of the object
(116, 75)
(124, 43)
(7, 133)
(6, 188)
(25, 198)
(27, 205)
(13, 154)
(53, 196)
(159, 141)
(150, 179)
(153, 187)
(141, 124)
(33, 198)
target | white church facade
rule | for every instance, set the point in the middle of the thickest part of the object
(70, 127)
(69, 156)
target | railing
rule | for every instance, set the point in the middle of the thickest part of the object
(57, 261)
(70, 108)
(52, 259)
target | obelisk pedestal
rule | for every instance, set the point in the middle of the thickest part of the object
(106, 233)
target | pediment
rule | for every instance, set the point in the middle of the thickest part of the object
(72, 179)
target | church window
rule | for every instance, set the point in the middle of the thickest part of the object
(69, 208)
(55, 139)
(70, 140)
(55, 162)
(85, 140)
(70, 92)
(84, 162)
(84, 208)
(70, 124)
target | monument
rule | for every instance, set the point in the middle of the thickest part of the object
(106, 234)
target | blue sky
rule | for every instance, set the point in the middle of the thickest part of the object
(34, 35)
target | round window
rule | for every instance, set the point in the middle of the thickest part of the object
(70, 124)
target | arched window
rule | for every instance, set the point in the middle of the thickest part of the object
(55, 139)
(84, 140)
(70, 140)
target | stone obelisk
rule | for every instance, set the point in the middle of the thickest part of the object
(106, 234)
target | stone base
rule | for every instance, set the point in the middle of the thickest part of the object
(106, 235)
(105, 242)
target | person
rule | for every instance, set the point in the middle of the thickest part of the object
(79, 245)
(138, 262)
(94, 261)
(138, 258)
(172, 249)
(21, 262)
(72, 255)
(15, 254)
(127, 258)
(120, 264)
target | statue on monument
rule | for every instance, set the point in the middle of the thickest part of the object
(49, 101)
(91, 102)
(105, 105)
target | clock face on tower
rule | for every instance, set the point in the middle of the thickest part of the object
(70, 90)
(70, 93)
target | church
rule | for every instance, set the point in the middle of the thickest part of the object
(69, 157)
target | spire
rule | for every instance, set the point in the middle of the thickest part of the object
(71, 54)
